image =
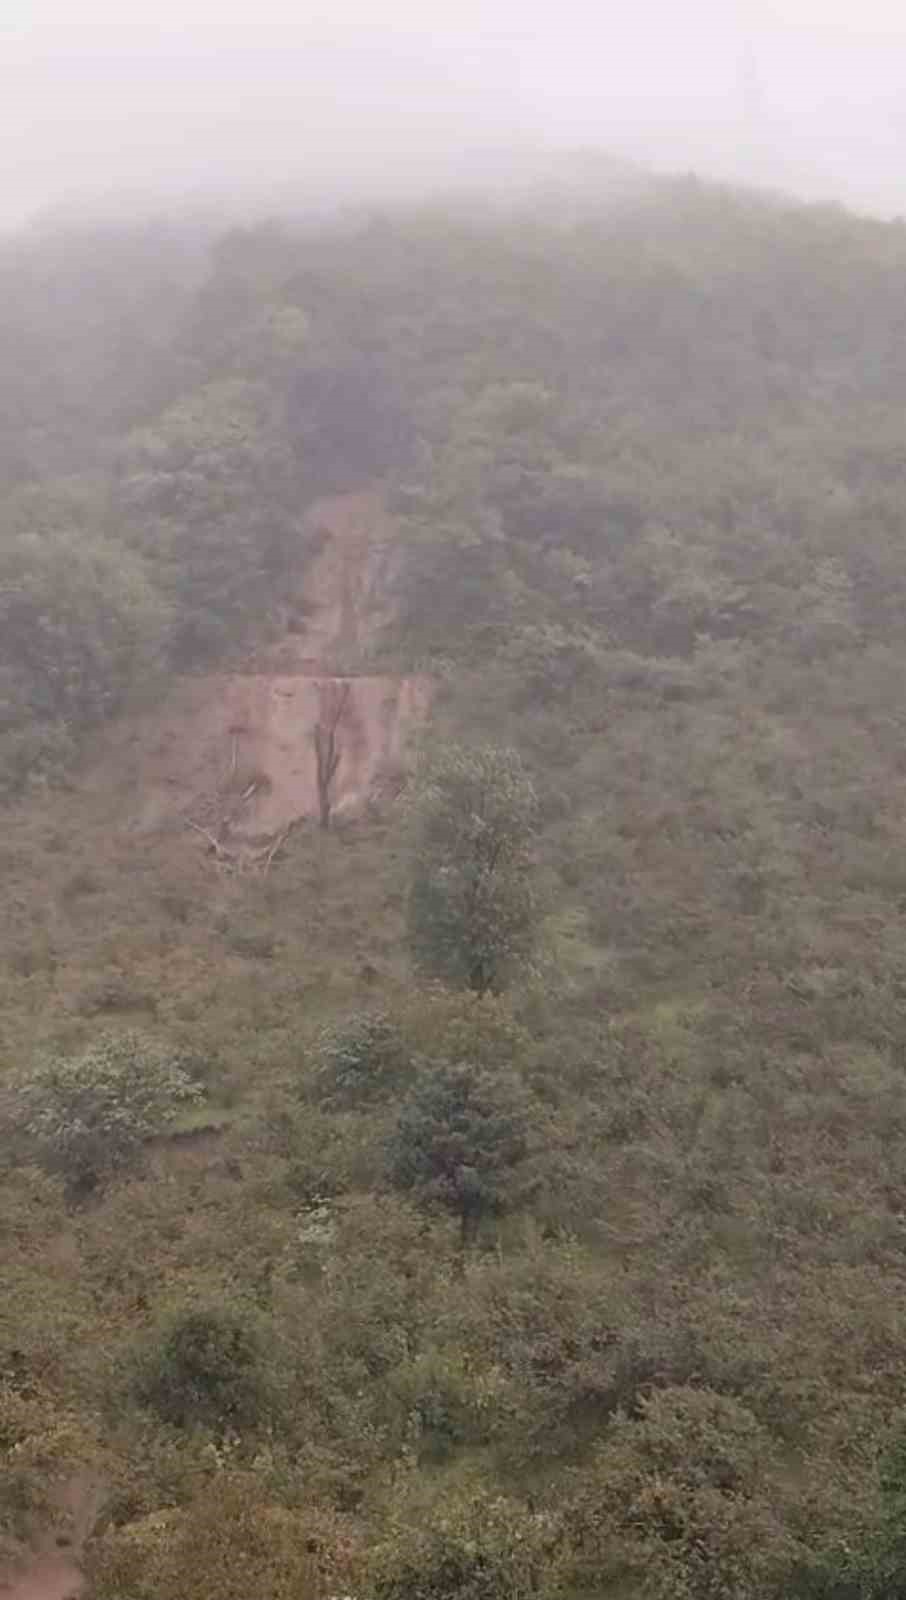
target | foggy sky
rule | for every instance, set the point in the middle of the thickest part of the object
(227, 95)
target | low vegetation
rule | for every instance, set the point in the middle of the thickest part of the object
(88, 1116)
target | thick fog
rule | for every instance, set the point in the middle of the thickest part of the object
(260, 102)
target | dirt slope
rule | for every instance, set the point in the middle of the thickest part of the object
(51, 1576)
(49, 1567)
(345, 590)
(236, 754)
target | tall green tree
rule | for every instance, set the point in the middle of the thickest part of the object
(461, 1141)
(80, 628)
(210, 495)
(472, 912)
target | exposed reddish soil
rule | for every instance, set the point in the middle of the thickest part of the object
(54, 1576)
(41, 1569)
(235, 755)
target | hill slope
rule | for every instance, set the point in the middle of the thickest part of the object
(236, 756)
(644, 463)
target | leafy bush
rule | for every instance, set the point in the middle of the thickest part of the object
(679, 1503)
(209, 495)
(42, 1443)
(440, 1024)
(37, 752)
(360, 1060)
(875, 1567)
(87, 1116)
(205, 1369)
(485, 1548)
(229, 1542)
(81, 628)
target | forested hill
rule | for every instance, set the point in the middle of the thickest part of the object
(692, 398)
(337, 1257)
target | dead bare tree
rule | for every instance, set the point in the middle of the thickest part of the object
(327, 750)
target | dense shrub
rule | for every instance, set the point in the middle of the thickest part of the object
(679, 1501)
(361, 1060)
(461, 1141)
(485, 1548)
(205, 1369)
(230, 1541)
(472, 914)
(87, 1116)
(81, 630)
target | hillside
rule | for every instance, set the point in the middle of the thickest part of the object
(242, 758)
(619, 487)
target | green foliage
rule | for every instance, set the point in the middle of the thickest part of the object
(676, 1504)
(462, 1139)
(87, 1116)
(230, 1541)
(483, 1548)
(472, 915)
(205, 1369)
(209, 497)
(361, 1060)
(42, 1443)
(80, 630)
(34, 753)
(887, 1561)
(455, 1025)
(874, 1569)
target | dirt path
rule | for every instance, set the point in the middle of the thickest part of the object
(237, 755)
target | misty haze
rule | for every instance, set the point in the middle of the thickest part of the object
(164, 106)
(452, 757)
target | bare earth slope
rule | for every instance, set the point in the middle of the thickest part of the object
(49, 1567)
(235, 754)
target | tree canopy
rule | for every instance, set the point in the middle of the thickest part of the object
(472, 916)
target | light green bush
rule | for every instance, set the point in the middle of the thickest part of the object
(87, 1116)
